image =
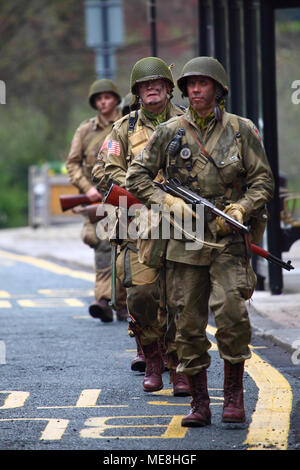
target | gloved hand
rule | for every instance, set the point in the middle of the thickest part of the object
(178, 206)
(236, 211)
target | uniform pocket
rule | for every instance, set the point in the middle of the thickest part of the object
(230, 168)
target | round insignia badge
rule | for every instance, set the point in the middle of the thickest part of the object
(185, 153)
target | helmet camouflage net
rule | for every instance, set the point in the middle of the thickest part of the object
(149, 68)
(102, 85)
(204, 66)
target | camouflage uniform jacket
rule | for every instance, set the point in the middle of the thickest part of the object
(128, 137)
(237, 172)
(85, 146)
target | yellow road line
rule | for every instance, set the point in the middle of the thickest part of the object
(5, 304)
(49, 266)
(270, 424)
(271, 420)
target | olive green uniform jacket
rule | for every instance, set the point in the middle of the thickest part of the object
(239, 173)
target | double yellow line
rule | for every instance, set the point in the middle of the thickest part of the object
(270, 423)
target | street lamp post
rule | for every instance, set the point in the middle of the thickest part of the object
(104, 26)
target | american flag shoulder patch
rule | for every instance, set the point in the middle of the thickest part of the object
(113, 147)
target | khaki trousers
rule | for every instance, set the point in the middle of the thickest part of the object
(223, 288)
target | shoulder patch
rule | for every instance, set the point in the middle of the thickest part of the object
(257, 132)
(113, 148)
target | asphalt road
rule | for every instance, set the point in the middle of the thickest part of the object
(66, 382)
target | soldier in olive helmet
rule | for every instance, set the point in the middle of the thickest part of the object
(151, 84)
(222, 158)
(104, 97)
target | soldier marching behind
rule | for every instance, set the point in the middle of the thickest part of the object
(104, 97)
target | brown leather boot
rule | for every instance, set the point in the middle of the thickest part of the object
(152, 380)
(101, 310)
(179, 380)
(233, 410)
(139, 362)
(200, 413)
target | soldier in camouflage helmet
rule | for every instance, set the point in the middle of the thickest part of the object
(151, 84)
(104, 97)
(222, 158)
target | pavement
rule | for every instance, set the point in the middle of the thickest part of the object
(276, 317)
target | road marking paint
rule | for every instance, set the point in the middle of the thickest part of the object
(15, 399)
(169, 391)
(271, 419)
(79, 317)
(49, 266)
(97, 426)
(4, 294)
(74, 406)
(166, 403)
(54, 429)
(88, 397)
(270, 424)
(66, 292)
(49, 303)
(26, 303)
(74, 302)
(5, 304)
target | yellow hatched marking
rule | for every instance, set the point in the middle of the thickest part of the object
(27, 303)
(87, 399)
(15, 399)
(167, 403)
(74, 302)
(4, 294)
(65, 292)
(169, 391)
(97, 426)
(5, 304)
(80, 317)
(53, 431)
(49, 303)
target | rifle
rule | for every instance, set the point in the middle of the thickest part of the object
(175, 188)
(68, 201)
(90, 212)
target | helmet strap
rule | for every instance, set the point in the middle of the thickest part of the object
(217, 112)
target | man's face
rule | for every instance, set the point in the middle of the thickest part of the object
(153, 92)
(105, 102)
(201, 93)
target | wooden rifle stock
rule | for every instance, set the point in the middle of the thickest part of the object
(68, 201)
(115, 192)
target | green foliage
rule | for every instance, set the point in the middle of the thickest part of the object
(23, 141)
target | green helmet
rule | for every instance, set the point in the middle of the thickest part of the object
(149, 68)
(207, 66)
(101, 86)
